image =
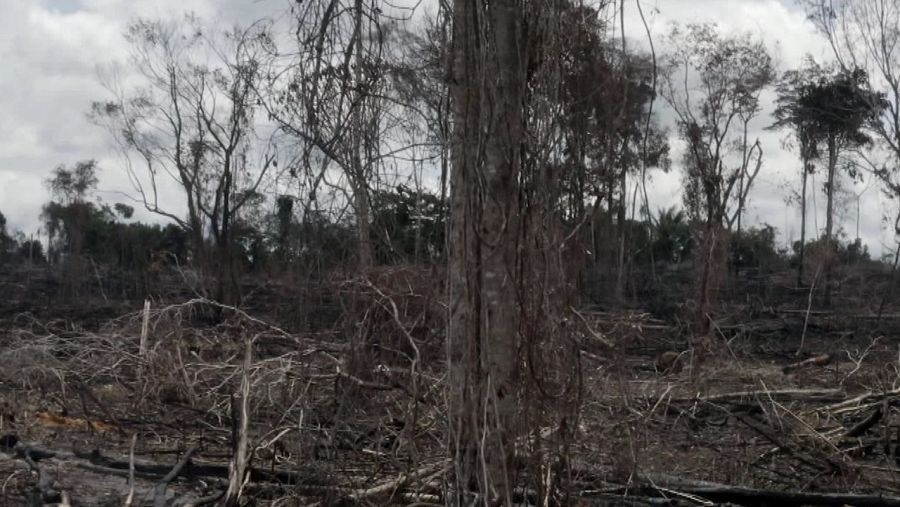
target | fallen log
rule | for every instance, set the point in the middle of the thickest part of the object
(44, 491)
(820, 463)
(749, 496)
(864, 425)
(861, 401)
(777, 395)
(144, 469)
(159, 492)
(820, 360)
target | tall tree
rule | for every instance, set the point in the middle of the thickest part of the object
(419, 80)
(192, 124)
(507, 246)
(329, 94)
(68, 215)
(794, 89)
(836, 107)
(712, 83)
(606, 128)
(487, 92)
(866, 35)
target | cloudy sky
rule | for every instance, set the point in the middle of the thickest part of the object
(52, 50)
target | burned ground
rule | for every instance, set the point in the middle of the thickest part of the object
(743, 426)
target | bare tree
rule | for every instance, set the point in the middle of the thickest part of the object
(192, 123)
(712, 83)
(419, 80)
(329, 94)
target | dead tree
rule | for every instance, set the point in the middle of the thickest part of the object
(712, 83)
(328, 93)
(191, 125)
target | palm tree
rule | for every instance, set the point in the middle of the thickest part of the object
(672, 241)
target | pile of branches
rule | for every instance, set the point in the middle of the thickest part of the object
(782, 446)
(249, 408)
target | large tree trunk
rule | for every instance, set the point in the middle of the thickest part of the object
(228, 288)
(829, 216)
(488, 92)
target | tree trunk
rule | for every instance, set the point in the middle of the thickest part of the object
(745, 161)
(488, 92)
(363, 237)
(198, 244)
(228, 289)
(360, 192)
(445, 171)
(829, 216)
(359, 359)
(707, 276)
(620, 261)
(802, 222)
(228, 275)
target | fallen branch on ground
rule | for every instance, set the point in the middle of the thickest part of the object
(779, 395)
(748, 496)
(820, 360)
(159, 492)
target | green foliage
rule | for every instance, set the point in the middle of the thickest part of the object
(407, 225)
(78, 228)
(31, 249)
(840, 105)
(125, 211)
(821, 104)
(86, 229)
(844, 250)
(73, 185)
(673, 238)
(755, 248)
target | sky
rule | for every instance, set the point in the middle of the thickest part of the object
(53, 52)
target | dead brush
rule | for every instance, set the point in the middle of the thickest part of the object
(27, 362)
(398, 315)
(296, 413)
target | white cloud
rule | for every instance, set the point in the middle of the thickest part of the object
(51, 50)
(789, 36)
